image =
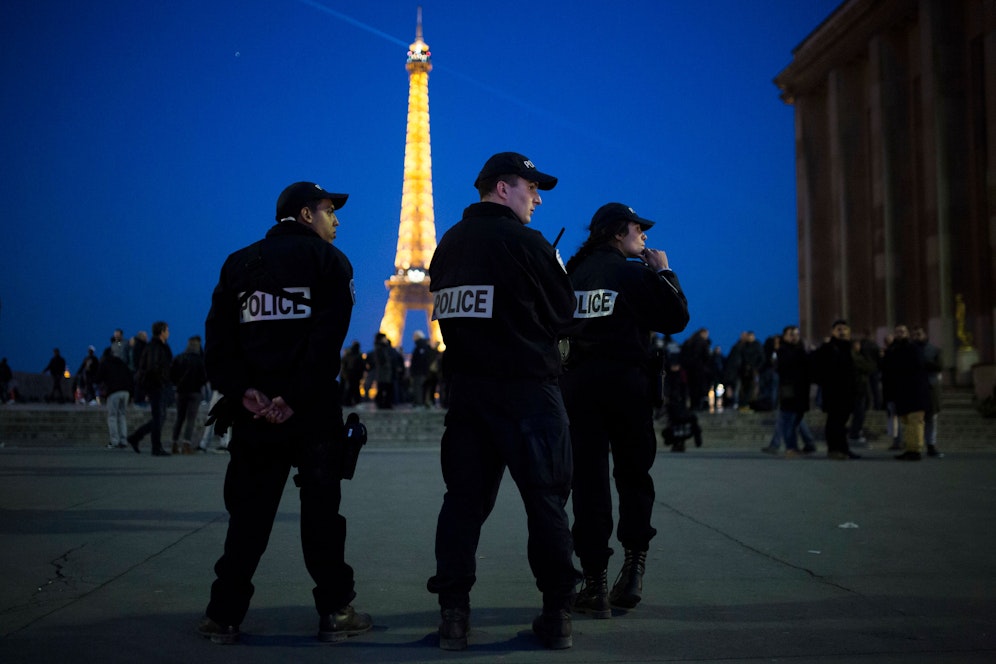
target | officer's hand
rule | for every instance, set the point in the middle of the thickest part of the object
(255, 402)
(278, 412)
(656, 258)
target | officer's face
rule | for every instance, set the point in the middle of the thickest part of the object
(523, 197)
(324, 220)
(633, 242)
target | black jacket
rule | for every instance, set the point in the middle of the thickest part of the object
(793, 378)
(835, 372)
(114, 375)
(154, 364)
(904, 377)
(500, 295)
(188, 373)
(256, 338)
(618, 303)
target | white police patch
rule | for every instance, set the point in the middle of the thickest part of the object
(463, 302)
(261, 306)
(595, 303)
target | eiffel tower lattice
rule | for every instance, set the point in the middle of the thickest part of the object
(408, 287)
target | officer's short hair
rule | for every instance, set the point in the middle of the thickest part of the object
(486, 185)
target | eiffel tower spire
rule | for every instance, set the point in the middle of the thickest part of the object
(408, 287)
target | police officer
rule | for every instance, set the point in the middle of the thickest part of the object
(609, 390)
(501, 297)
(278, 318)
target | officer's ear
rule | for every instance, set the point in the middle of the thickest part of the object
(306, 216)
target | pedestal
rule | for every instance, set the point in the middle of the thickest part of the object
(965, 359)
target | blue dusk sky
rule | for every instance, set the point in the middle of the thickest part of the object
(143, 142)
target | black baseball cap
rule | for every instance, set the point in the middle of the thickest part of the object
(614, 212)
(299, 194)
(513, 163)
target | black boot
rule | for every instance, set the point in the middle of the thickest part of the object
(554, 629)
(342, 624)
(453, 628)
(593, 598)
(628, 588)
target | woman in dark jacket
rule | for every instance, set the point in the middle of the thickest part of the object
(624, 291)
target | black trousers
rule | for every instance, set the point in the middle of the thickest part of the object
(491, 425)
(836, 430)
(257, 474)
(610, 410)
(154, 427)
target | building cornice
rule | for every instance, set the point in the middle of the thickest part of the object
(842, 38)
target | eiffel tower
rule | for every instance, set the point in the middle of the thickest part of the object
(408, 287)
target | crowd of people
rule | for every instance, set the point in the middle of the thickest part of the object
(387, 378)
(143, 373)
(843, 376)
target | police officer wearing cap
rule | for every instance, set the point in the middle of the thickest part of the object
(502, 298)
(624, 292)
(278, 318)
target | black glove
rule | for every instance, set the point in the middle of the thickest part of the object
(221, 415)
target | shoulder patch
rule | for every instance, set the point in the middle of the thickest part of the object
(463, 302)
(595, 303)
(260, 306)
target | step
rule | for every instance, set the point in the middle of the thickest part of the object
(70, 424)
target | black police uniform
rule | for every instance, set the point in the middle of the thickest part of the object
(502, 298)
(278, 318)
(608, 389)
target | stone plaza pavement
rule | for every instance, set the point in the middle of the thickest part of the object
(107, 557)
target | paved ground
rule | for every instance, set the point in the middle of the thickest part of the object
(107, 557)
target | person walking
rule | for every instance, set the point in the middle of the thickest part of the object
(419, 371)
(834, 369)
(905, 381)
(278, 318)
(153, 377)
(56, 368)
(794, 378)
(934, 366)
(115, 380)
(188, 374)
(6, 380)
(610, 393)
(502, 299)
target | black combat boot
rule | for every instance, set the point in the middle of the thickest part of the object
(593, 598)
(453, 627)
(342, 624)
(554, 629)
(628, 588)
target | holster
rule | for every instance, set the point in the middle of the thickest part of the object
(656, 369)
(354, 438)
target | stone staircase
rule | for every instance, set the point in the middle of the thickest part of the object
(960, 426)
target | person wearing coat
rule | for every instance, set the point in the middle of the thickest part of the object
(793, 369)
(837, 377)
(904, 373)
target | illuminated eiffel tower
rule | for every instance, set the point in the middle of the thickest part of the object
(408, 287)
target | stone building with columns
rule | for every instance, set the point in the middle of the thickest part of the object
(895, 131)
